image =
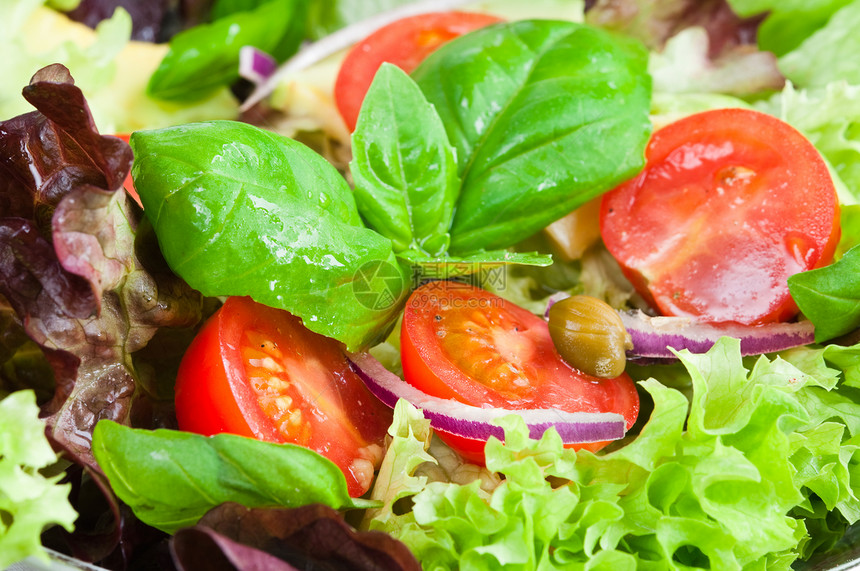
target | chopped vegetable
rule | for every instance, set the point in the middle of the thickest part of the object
(257, 371)
(731, 203)
(462, 343)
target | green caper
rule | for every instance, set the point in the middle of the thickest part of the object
(589, 335)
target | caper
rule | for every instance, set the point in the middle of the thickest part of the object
(589, 335)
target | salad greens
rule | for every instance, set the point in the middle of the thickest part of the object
(77, 270)
(734, 485)
(171, 478)
(29, 500)
(739, 463)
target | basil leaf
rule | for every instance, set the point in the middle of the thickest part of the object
(545, 115)
(172, 478)
(486, 264)
(224, 8)
(404, 169)
(205, 58)
(830, 296)
(243, 211)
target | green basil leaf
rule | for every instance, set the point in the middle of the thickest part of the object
(544, 115)
(404, 168)
(488, 265)
(205, 58)
(242, 211)
(830, 296)
(224, 8)
(172, 478)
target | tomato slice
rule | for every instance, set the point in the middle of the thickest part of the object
(404, 43)
(730, 204)
(464, 343)
(257, 371)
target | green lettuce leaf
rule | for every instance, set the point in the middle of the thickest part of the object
(827, 55)
(742, 481)
(29, 501)
(93, 66)
(788, 22)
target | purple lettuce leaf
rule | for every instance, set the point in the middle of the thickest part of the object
(85, 288)
(309, 537)
(730, 42)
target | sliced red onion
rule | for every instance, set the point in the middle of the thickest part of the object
(652, 336)
(256, 65)
(460, 419)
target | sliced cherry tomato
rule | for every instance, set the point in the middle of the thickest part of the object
(128, 184)
(730, 204)
(404, 43)
(258, 372)
(463, 343)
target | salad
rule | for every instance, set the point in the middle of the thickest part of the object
(462, 307)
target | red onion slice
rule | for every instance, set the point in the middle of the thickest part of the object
(255, 65)
(460, 419)
(652, 336)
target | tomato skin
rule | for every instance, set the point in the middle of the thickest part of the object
(128, 183)
(404, 43)
(462, 343)
(256, 371)
(730, 204)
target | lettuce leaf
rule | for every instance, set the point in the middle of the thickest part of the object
(828, 54)
(788, 22)
(735, 484)
(75, 262)
(29, 501)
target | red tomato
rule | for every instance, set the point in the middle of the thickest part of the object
(463, 343)
(128, 184)
(258, 372)
(405, 43)
(730, 204)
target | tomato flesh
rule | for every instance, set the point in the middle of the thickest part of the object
(463, 343)
(257, 371)
(404, 43)
(730, 204)
(128, 183)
